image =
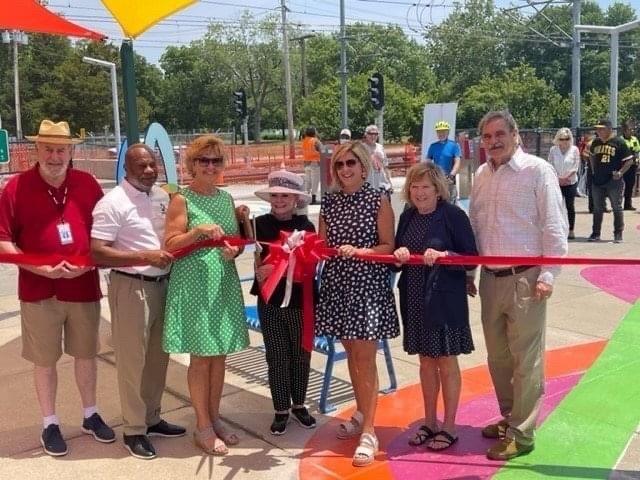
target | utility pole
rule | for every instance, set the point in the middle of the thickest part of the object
(303, 61)
(575, 67)
(613, 73)
(16, 86)
(287, 81)
(16, 37)
(344, 115)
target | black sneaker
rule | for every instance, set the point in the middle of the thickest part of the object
(139, 446)
(52, 441)
(165, 429)
(94, 425)
(593, 238)
(301, 415)
(617, 238)
(279, 424)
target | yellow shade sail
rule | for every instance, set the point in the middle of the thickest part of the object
(137, 16)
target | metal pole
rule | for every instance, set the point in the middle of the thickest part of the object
(380, 125)
(613, 94)
(343, 69)
(304, 67)
(575, 67)
(287, 82)
(116, 108)
(129, 90)
(245, 130)
(16, 85)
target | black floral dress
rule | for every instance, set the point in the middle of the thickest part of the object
(356, 300)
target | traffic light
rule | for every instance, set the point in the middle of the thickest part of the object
(376, 91)
(240, 103)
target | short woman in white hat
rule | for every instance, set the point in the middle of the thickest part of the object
(287, 361)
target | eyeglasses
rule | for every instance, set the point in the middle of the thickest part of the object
(371, 133)
(564, 138)
(215, 161)
(349, 163)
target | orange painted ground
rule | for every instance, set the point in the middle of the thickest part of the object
(326, 457)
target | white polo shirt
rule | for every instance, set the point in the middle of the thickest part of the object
(133, 221)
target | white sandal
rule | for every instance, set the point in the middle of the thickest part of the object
(365, 454)
(352, 428)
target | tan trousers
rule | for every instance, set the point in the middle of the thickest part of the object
(514, 325)
(137, 322)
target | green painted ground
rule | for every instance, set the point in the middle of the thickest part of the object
(585, 435)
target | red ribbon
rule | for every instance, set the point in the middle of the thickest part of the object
(307, 255)
(39, 259)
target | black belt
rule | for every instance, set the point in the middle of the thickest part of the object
(505, 272)
(146, 278)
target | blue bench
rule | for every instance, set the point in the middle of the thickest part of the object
(326, 345)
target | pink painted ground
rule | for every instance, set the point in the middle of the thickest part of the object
(621, 281)
(466, 459)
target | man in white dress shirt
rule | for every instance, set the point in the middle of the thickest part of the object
(128, 229)
(516, 209)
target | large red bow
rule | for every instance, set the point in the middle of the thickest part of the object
(298, 254)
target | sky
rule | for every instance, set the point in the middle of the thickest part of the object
(311, 16)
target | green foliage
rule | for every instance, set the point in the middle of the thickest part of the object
(531, 100)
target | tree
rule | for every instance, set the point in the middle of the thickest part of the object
(403, 109)
(532, 101)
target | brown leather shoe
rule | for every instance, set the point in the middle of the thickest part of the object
(508, 448)
(495, 430)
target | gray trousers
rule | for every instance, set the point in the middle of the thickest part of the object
(614, 190)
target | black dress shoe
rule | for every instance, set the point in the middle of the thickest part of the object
(165, 429)
(139, 446)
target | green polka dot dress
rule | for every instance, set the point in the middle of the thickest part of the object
(205, 309)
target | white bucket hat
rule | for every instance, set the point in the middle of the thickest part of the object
(283, 181)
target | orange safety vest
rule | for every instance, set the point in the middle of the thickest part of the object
(309, 152)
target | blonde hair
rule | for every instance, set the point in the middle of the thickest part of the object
(202, 144)
(563, 132)
(359, 151)
(429, 171)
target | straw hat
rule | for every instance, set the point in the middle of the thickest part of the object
(58, 133)
(283, 181)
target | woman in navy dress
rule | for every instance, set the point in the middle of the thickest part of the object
(433, 298)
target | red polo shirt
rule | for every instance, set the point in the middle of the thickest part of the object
(29, 217)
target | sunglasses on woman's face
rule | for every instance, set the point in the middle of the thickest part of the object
(349, 163)
(215, 161)
(564, 139)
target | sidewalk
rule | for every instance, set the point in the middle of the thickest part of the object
(583, 315)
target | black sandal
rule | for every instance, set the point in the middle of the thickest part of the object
(446, 438)
(422, 436)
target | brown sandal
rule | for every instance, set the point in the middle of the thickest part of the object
(201, 437)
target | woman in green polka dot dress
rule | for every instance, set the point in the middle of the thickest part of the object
(205, 310)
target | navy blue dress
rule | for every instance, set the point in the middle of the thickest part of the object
(433, 300)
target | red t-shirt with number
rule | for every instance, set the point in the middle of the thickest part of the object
(30, 212)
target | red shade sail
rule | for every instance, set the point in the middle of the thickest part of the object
(30, 16)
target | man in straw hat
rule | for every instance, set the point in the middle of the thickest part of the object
(47, 210)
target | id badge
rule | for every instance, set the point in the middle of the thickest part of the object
(64, 232)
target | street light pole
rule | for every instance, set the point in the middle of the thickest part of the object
(615, 35)
(114, 94)
(16, 85)
(287, 81)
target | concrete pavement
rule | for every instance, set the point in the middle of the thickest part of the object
(579, 313)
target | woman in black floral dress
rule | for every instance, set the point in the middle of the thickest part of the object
(433, 298)
(356, 302)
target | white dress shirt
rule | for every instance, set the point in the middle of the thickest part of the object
(566, 162)
(133, 221)
(517, 209)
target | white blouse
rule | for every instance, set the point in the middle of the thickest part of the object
(563, 163)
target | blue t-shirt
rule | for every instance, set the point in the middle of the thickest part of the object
(443, 154)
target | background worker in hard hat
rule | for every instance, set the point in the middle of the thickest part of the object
(446, 154)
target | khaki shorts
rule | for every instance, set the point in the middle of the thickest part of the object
(43, 325)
